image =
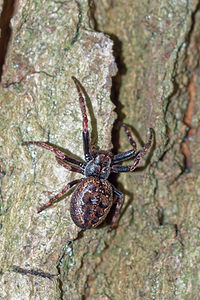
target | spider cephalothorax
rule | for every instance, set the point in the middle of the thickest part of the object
(100, 165)
(94, 196)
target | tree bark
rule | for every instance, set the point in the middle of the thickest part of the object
(154, 253)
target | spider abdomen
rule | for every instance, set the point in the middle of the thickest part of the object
(91, 202)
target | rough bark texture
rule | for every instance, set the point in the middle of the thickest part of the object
(51, 41)
(154, 253)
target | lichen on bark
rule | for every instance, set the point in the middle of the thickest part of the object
(51, 41)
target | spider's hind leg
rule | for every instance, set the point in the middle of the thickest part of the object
(118, 202)
(59, 195)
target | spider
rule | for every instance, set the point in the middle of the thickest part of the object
(94, 196)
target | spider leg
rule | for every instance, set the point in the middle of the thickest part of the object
(86, 138)
(119, 202)
(93, 151)
(123, 156)
(56, 197)
(137, 159)
(129, 135)
(69, 167)
(128, 154)
(60, 154)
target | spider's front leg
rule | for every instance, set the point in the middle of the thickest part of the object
(59, 195)
(129, 135)
(86, 138)
(143, 151)
(58, 153)
(128, 154)
(137, 159)
(69, 167)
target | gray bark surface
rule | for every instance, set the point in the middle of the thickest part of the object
(154, 253)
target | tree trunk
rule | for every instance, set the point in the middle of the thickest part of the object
(154, 252)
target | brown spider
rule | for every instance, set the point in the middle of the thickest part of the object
(94, 196)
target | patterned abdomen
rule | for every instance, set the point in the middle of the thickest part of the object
(91, 202)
